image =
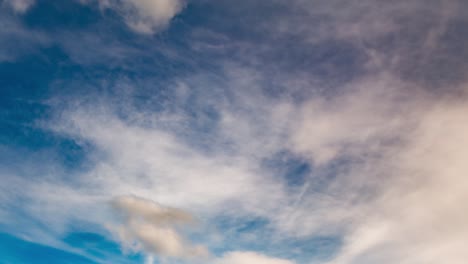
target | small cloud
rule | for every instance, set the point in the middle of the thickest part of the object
(151, 228)
(20, 6)
(145, 16)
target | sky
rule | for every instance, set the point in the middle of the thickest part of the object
(233, 132)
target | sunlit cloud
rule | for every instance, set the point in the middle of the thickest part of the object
(151, 228)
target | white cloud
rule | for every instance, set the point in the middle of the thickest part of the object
(395, 198)
(246, 257)
(376, 126)
(152, 228)
(420, 216)
(201, 181)
(145, 16)
(150, 211)
(349, 123)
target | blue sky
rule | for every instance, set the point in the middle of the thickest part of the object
(233, 132)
